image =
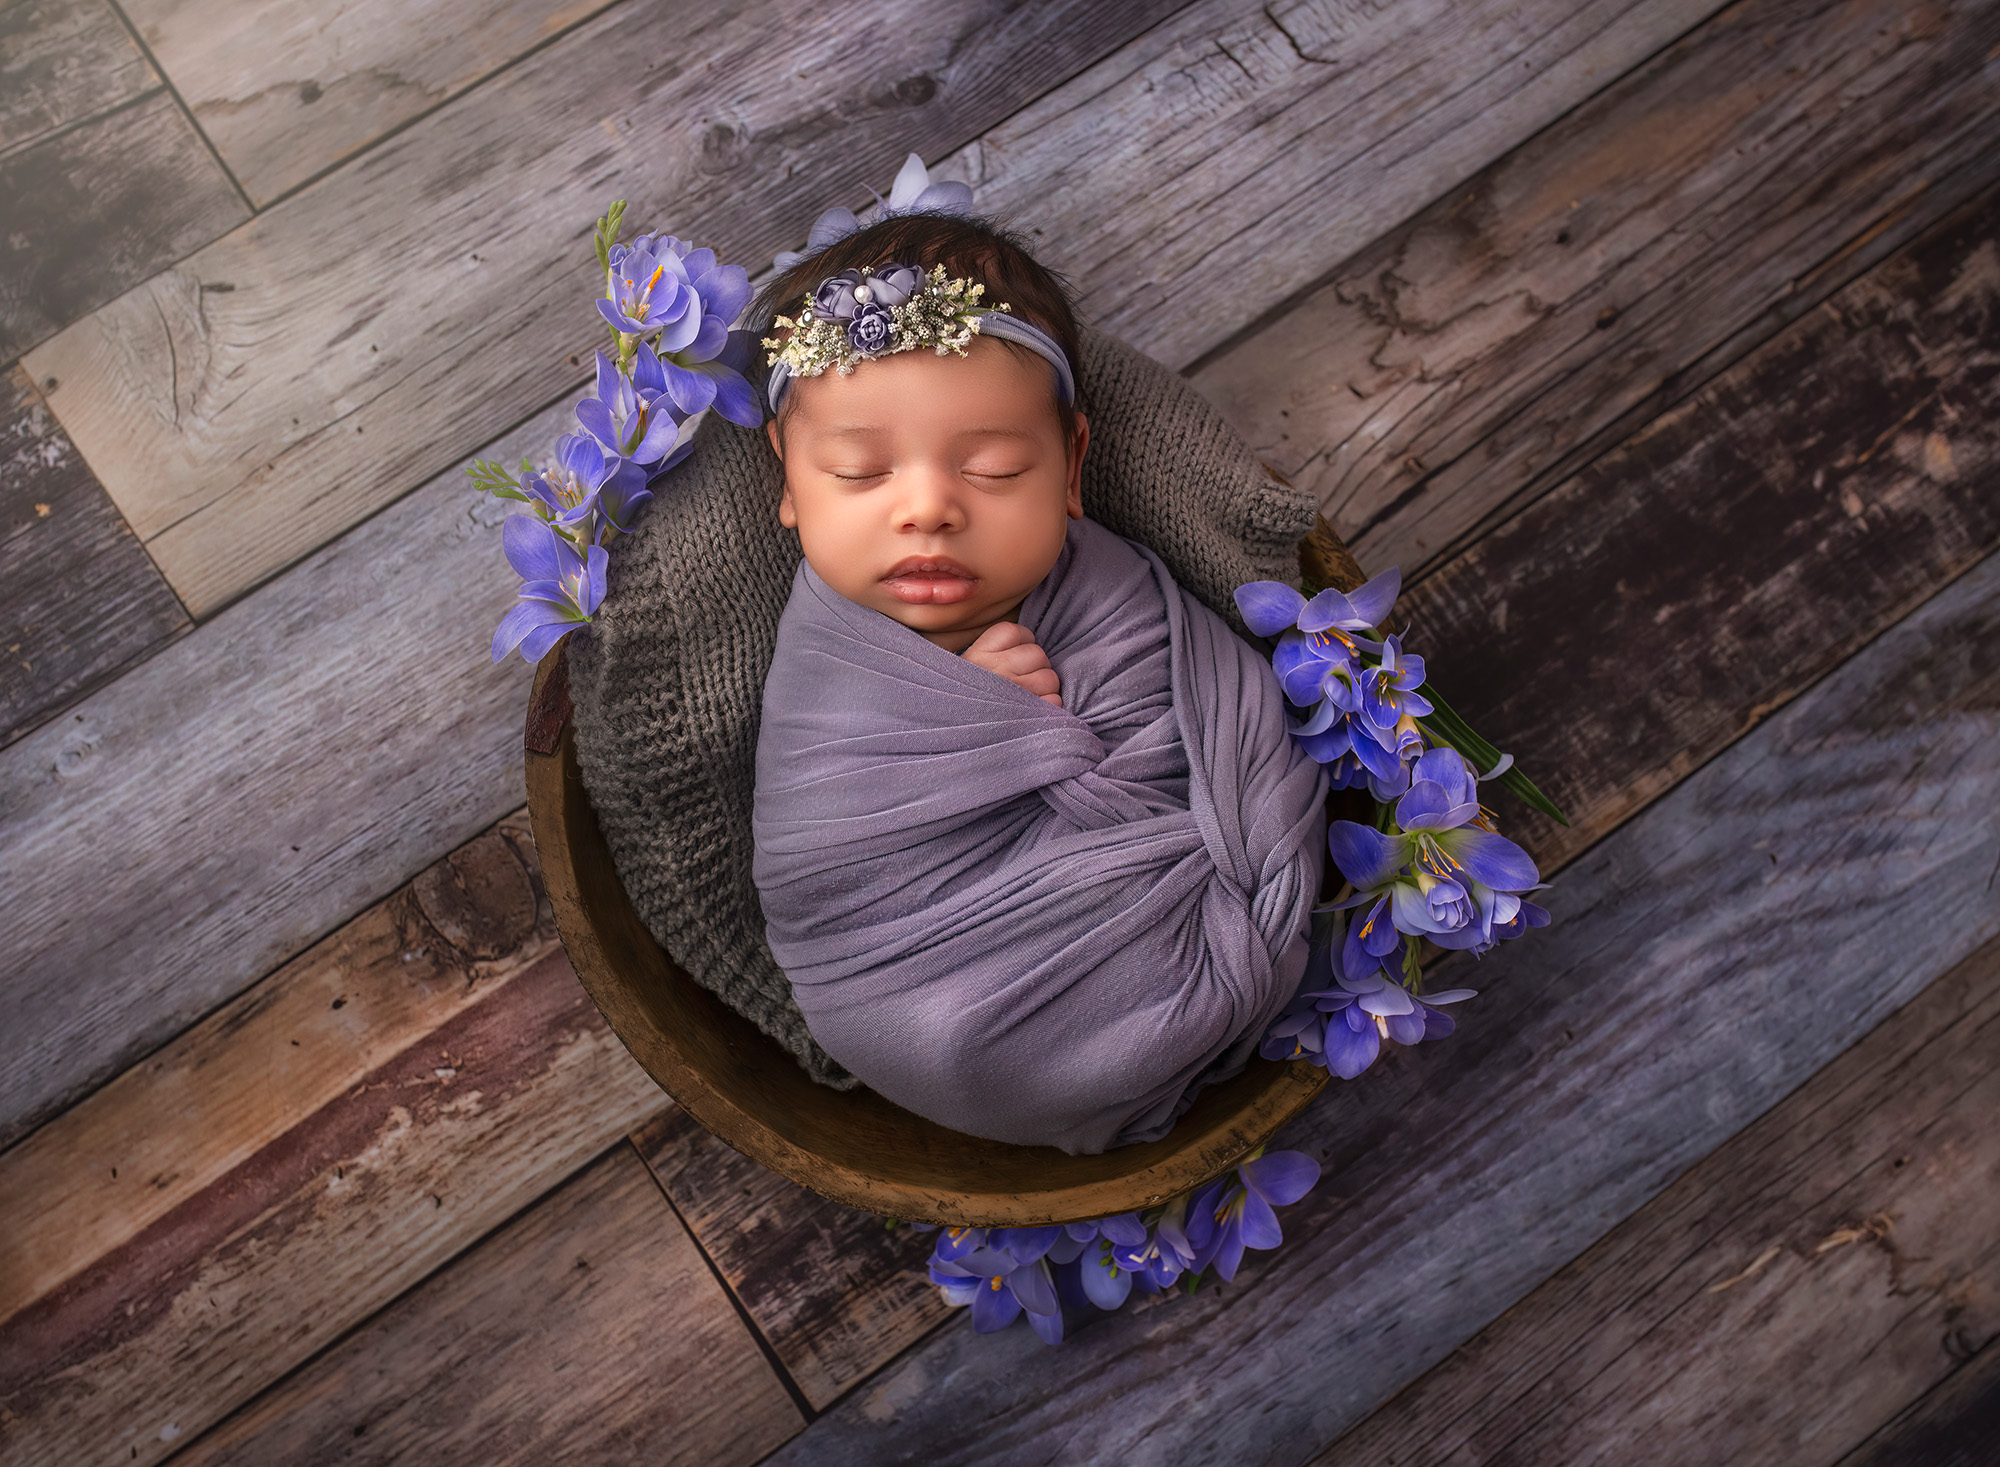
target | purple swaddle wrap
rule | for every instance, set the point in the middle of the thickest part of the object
(1029, 923)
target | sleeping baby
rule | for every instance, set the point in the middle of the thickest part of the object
(1034, 844)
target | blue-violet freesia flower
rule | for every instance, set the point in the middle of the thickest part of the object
(559, 592)
(1234, 1213)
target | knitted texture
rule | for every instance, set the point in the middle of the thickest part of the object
(668, 682)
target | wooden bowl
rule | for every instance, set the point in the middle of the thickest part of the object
(853, 1146)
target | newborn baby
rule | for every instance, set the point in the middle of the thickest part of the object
(1034, 844)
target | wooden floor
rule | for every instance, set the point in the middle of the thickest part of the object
(1659, 344)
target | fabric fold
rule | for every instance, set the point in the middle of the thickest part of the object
(1036, 924)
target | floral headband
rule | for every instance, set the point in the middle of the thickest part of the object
(857, 315)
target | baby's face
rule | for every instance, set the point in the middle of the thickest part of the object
(937, 490)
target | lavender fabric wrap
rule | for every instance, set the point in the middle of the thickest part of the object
(1036, 924)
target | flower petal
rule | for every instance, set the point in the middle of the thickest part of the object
(1280, 1177)
(1268, 607)
(1489, 857)
(1366, 857)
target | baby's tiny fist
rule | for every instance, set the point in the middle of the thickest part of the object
(1010, 649)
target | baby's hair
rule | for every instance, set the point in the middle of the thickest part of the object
(975, 248)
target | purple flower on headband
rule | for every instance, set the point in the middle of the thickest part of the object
(868, 329)
(911, 193)
(841, 295)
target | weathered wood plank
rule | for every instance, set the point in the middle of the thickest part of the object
(1954, 1426)
(1692, 580)
(1719, 507)
(587, 1330)
(1282, 138)
(285, 92)
(62, 61)
(835, 1291)
(404, 310)
(355, 1202)
(103, 1171)
(328, 737)
(82, 599)
(95, 209)
(1705, 960)
(1787, 1296)
(1467, 360)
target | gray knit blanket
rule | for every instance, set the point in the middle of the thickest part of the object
(667, 683)
(1033, 923)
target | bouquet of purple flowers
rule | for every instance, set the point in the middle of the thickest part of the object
(669, 308)
(1431, 867)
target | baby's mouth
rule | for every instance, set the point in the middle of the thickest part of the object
(934, 580)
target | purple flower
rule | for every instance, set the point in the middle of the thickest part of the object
(911, 193)
(1270, 606)
(1388, 692)
(634, 417)
(1447, 873)
(650, 291)
(1165, 1254)
(998, 1287)
(1087, 1270)
(700, 361)
(560, 588)
(566, 493)
(1231, 1214)
(869, 328)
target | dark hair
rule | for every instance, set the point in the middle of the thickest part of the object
(975, 248)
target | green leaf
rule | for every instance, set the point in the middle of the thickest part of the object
(492, 477)
(1448, 728)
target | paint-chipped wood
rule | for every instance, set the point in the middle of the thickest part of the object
(1780, 1302)
(286, 91)
(93, 210)
(310, 1235)
(838, 1293)
(106, 1169)
(61, 62)
(587, 1330)
(1464, 362)
(310, 367)
(1705, 960)
(1691, 581)
(81, 597)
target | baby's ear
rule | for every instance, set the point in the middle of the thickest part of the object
(1075, 494)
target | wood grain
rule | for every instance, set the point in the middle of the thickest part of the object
(837, 1292)
(287, 91)
(82, 599)
(103, 1171)
(326, 739)
(61, 62)
(308, 1236)
(1687, 584)
(1779, 1302)
(93, 210)
(1470, 359)
(1955, 1425)
(1705, 960)
(587, 1330)
(1234, 155)
(405, 310)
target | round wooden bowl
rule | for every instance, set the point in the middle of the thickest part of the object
(852, 1146)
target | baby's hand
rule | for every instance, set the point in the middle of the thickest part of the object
(1010, 649)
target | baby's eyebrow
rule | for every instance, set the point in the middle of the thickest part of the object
(999, 432)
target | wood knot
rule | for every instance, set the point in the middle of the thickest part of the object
(479, 898)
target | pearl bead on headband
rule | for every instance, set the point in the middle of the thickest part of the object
(857, 315)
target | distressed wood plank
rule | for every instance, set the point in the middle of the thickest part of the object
(1469, 359)
(1787, 1296)
(1954, 1426)
(1692, 580)
(82, 599)
(1689, 982)
(328, 743)
(385, 321)
(286, 91)
(835, 1291)
(103, 1171)
(62, 61)
(356, 1201)
(589, 1330)
(93, 210)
